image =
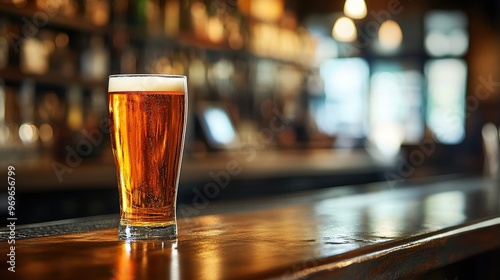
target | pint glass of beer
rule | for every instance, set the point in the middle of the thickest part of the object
(148, 116)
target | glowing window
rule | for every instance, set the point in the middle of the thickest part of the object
(346, 90)
(396, 100)
(446, 33)
(446, 99)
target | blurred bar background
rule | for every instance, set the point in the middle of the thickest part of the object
(285, 95)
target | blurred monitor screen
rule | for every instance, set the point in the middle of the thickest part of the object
(217, 126)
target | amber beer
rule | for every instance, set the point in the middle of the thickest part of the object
(147, 124)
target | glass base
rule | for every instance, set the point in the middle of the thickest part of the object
(128, 232)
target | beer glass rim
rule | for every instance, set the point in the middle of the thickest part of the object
(147, 83)
(146, 75)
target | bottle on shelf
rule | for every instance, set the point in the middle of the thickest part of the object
(95, 60)
(49, 113)
(28, 131)
(124, 53)
(27, 102)
(4, 44)
(171, 17)
(128, 60)
(96, 115)
(62, 60)
(97, 12)
(137, 13)
(34, 56)
(75, 114)
(120, 9)
(4, 129)
(153, 17)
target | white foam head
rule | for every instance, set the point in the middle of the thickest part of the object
(137, 82)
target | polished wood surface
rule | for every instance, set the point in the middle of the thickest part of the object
(375, 231)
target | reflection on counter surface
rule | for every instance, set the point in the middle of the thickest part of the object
(284, 95)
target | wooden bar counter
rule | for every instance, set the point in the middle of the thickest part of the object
(374, 231)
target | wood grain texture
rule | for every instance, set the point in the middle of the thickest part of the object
(379, 233)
